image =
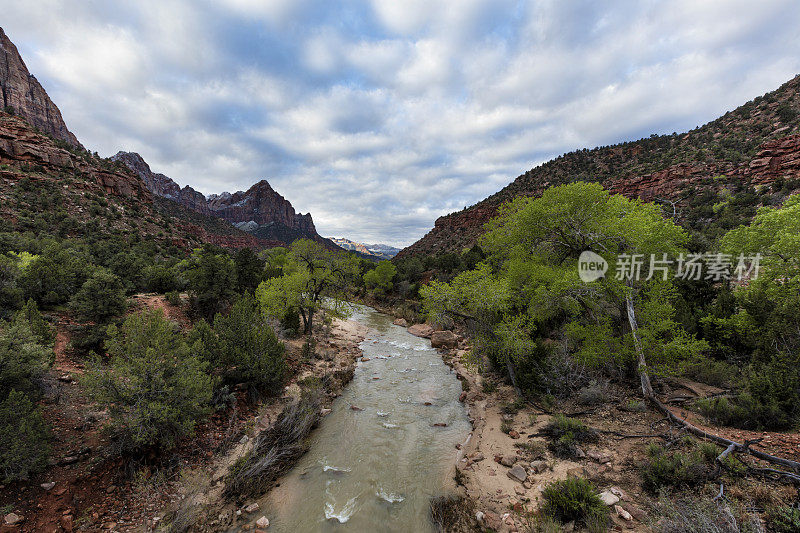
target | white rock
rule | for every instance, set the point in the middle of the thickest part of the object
(49, 485)
(479, 516)
(253, 507)
(609, 498)
(622, 513)
(13, 519)
(262, 522)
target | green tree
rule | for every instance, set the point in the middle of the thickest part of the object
(10, 293)
(24, 437)
(23, 359)
(56, 274)
(212, 276)
(528, 292)
(154, 388)
(380, 278)
(314, 278)
(249, 270)
(244, 347)
(38, 325)
(100, 299)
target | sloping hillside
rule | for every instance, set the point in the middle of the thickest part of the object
(755, 144)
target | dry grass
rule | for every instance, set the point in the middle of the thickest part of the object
(452, 514)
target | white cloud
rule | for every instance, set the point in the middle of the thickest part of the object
(378, 117)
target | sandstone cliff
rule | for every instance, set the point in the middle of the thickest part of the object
(22, 93)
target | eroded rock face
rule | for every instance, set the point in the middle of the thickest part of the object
(22, 92)
(260, 204)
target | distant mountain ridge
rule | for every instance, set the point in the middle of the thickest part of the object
(753, 145)
(380, 251)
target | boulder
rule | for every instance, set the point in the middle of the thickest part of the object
(421, 330)
(402, 322)
(609, 498)
(262, 522)
(517, 473)
(444, 339)
(252, 508)
(622, 513)
(12, 519)
(49, 485)
(507, 460)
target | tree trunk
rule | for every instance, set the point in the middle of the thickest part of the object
(512, 375)
(647, 388)
(310, 322)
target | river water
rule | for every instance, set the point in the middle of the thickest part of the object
(377, 469)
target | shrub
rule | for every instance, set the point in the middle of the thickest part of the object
(663, 469)
(174, 298)
(38, 325)
(24, 438)
(22, 358)
(244, 347)
(699, 516)
(290, 322)
(783, 519)
(100, 298)
(154, 389)
(566, 434)
(574, 499)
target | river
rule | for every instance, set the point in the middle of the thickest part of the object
(376, 469)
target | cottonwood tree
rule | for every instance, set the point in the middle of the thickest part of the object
(527, 294)
(314, 278)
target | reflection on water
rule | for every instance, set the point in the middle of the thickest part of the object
(376, 469)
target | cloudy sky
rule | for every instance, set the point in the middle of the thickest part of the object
(379, 116)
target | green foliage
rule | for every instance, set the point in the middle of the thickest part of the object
(23, 359)
(212, 277)
(55, 275)
(566, 434)
(672, 468)
(379, 279)
(783, 519)
(314, 278)
(159, 278)
(24, 437)
(38, 325)
(244, 347)
(154, 388)
(10, 293)
(574, 499)
(249, 270)
(100, 298)
(527, 291)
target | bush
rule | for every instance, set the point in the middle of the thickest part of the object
(566, 434)
(154, 389)
(783, 519)
(663, 469)
(174, 298)
(100, 298)
(24, 438)
(290, 322)
(38, 325)
(574, 499)
(244, 347)
(22, 358)
(699, 516)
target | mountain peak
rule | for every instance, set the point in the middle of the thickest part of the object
(22, 94)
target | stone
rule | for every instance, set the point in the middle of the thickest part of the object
(70, 459)
(402, 322)
(507, 460)
(477, 456)
(635, 511)
(479, 516)
(609, 498)
(444, 339)
(110, 489)
(538, 466)
(622, 513)
(252, 508)
(576, 471)
(579, 453)
(519, 491)
(421, 330)
(491, 520)
(13, 519)
(49, 485)
(263, 522)
(598, 457)
(66, 522)
(355, 408)
(513, 434)
(517, 473)
(462, 397)
(324, 411)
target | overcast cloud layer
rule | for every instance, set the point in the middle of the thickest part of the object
(378, 117)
